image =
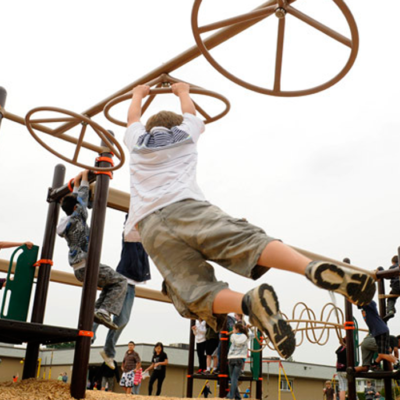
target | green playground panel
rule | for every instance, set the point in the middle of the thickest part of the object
(18, 290)
(255, 358)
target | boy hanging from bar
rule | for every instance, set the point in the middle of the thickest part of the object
(181, 230)
(75, 230)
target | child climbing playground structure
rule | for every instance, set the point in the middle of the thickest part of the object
(160, 79)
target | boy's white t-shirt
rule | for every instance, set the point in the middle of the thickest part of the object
(161, 176)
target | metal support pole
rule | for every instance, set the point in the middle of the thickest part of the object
(352, 392)
(42, 286)
(223, 362)
(189, 386)
(260, 380)
(82, 348)
(382, 312)
(3, 96)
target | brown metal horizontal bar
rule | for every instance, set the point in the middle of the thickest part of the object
(69, 279)
(20, 120)
(321, 27)
(182, 59)
(388, 273)
(256, 14)
(41, 120)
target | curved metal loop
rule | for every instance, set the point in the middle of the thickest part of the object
(110, 143)
(280, 8)
(165, 81)
(306, 325)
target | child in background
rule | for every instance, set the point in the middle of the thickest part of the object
(236, 357)
(75, 230)
(181, 231)
(395, 285)
(159, 363)
(130, 364)
(328, 391)
(137, 380)
(380, 332)
(199, 332)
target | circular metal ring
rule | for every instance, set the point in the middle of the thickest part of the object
(74, 119)
(263, 12)
(153, 92)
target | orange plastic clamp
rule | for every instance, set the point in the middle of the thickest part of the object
(222, 376)
(70, 185)
(224, 332)
(260, 379)
(223, 338)
(104, 173)
(349, 326)
(86, 333)
(38, 263)
(107, 159)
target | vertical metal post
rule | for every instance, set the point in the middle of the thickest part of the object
(85, 323)
(223, 362)
(3, 96)
(382, 312)
(259, 383)
(42, 286)
(189, 386)
(352, 392)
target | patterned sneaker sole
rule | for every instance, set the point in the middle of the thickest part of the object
(358, 287)
(109, 361)
(278, 330)
(98, 318)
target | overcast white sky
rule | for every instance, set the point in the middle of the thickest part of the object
(319, 172)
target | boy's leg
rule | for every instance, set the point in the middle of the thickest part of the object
(357, 286)
(114, 287)
(262, 306)
(121, 321)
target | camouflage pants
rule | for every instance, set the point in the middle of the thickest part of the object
(114, 288)
(181, 237)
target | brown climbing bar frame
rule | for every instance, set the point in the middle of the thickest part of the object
(281, 9)
(163, 86)
(110, 142)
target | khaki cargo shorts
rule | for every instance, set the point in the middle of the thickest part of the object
(181, 237)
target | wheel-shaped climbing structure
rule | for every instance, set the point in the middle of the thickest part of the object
(281, 9)
(70, 119)
(163, 86)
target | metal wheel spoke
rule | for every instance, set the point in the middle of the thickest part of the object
(257, 14)
(321, 27)
(201, 111)
(79, 144)
(279, 55)
(44, 120)
(105, 139)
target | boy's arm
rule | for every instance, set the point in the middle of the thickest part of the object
(181, 90)
(7, 245)
(81, 186)
(135, 109)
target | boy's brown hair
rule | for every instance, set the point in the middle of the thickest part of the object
(168, 119)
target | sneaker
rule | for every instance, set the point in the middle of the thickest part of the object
(108, 360)
(263, 308)
(199, 371)
(215, 371)
(357, 286)
(104, 319)
(390, 314)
